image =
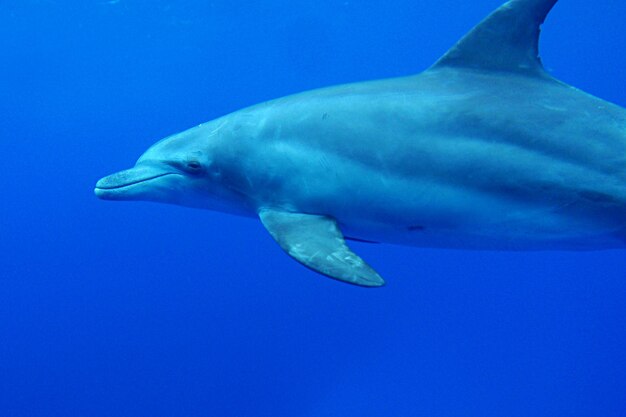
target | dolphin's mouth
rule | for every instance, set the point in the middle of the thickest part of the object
(105, 186)
(124, 185)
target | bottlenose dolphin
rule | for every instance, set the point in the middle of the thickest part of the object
(483, 150)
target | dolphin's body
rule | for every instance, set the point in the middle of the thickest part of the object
(484, 150)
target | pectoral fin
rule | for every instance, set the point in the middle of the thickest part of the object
(316, 242)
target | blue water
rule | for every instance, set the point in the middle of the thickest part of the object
(140, 309)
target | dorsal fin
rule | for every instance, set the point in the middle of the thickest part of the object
(507, 40)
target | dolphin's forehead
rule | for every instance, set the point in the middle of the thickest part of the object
(191, 141)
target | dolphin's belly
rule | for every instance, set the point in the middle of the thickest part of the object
(457, 216)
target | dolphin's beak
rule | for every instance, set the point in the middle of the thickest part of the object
(129, 184)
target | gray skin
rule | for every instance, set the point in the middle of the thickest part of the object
(484, 150)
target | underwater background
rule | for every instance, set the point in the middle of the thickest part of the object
(142, 309)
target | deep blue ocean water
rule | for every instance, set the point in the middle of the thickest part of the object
(140, 309)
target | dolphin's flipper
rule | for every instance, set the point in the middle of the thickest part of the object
(316, 242)
(507, 40)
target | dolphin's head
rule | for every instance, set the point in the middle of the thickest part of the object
(179, 169)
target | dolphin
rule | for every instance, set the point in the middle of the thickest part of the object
(483, 150)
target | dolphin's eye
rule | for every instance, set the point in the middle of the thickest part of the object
(192, 166)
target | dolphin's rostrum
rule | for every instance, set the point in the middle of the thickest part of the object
(484, 150)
